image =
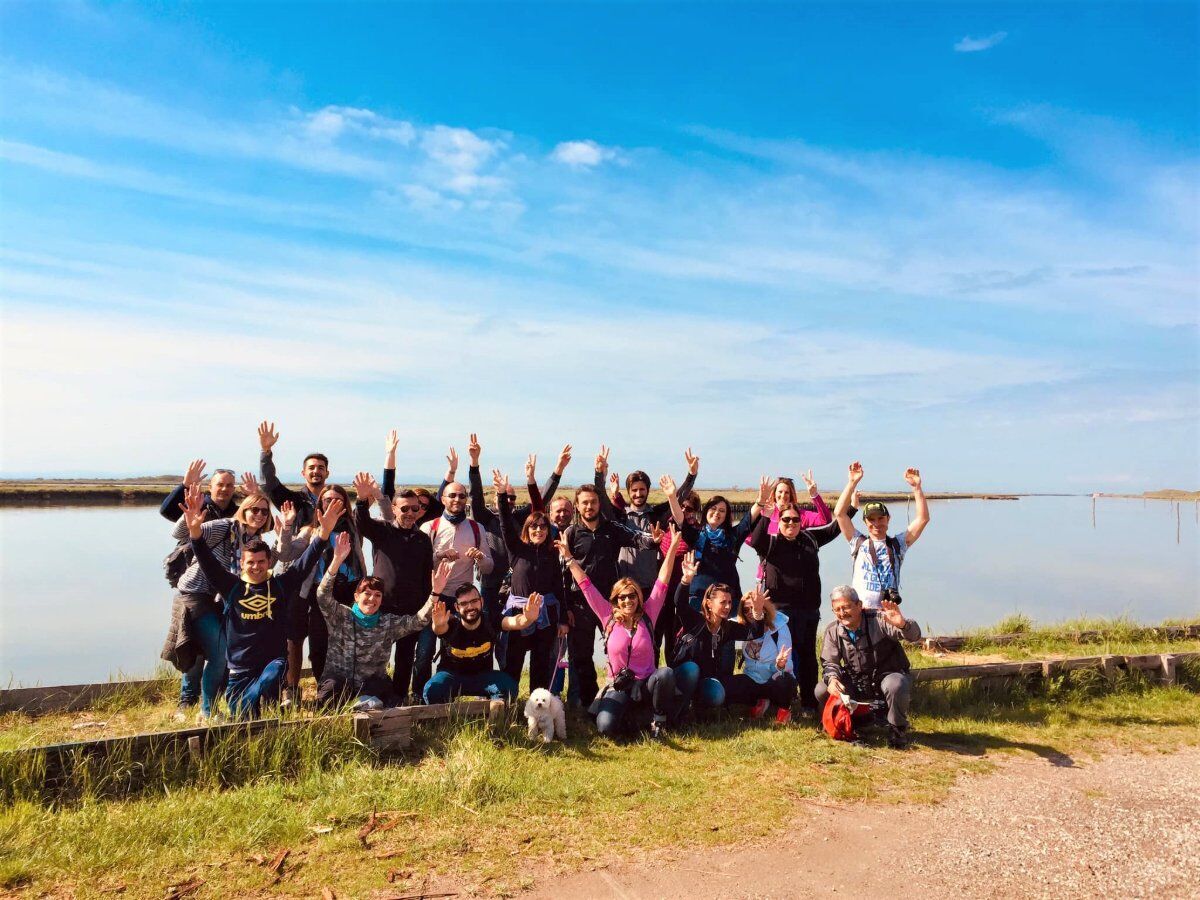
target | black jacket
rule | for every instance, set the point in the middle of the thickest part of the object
(792, 569)
(403, 558)
(535, 567)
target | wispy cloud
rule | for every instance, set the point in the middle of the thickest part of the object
(976, 45)
(582, 154)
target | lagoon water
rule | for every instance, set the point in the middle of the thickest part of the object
(82, 595)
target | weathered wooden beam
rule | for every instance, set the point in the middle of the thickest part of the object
(951, 642)
(70, 697)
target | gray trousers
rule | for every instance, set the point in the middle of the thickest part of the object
(896, 688)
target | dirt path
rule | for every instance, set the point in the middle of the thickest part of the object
(1125, 825)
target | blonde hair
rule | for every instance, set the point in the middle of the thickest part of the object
(243, 508)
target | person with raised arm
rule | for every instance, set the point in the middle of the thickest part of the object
(431, 504)
(469, 645)
(595, 542)
(536, 569)
(254, 607)
(703, 657)
(635, 686)
(717, 541)
(863, 660)
(790, 565)
(218, 504)
(876, 556)
(361, 636)
(402, 555)
(767, 675)
(315, 472)
(306, 619)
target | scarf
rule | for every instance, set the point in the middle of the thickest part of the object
(363, 619)
(455, 518)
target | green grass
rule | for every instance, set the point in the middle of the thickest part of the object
(1077, 637)
(483, 808)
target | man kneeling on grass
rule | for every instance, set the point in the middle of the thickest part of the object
(255, 606)
(468, 646)
(862, 659)
(361, 637)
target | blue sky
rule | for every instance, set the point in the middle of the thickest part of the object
(959, 236)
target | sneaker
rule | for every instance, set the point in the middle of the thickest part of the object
(658, 730)
(290, 698)
(759, 709)
(898, 737)
(783, 716)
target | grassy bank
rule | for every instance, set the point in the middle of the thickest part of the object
(480, 810)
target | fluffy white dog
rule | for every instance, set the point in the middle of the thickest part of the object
(546, 716)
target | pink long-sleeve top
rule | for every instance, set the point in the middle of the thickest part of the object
(628, 648)
(809, 518)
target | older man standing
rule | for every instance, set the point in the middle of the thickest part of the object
(862, 658)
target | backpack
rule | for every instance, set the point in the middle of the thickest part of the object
(177, 562)
(438, 521)
(893, 550)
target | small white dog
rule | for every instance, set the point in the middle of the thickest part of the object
(546, 716)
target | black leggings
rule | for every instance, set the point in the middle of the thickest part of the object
(540, 646)
(780, 690)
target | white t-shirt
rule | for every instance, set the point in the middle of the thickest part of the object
(870, 576)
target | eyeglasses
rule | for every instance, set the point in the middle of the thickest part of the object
(456, 496)
(629, 595)
(789, 520)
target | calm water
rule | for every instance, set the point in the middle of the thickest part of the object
(82, 594)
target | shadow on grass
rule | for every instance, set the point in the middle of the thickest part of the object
(975, 744)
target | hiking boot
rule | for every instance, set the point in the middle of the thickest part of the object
(759, 709)
(898, 737)
(783, 716)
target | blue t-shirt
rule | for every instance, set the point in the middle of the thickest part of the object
(869, 575)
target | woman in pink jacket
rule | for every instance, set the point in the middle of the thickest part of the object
(634, 686)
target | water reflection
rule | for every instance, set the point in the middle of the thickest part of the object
(82, 594)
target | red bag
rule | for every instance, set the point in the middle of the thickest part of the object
(839, 721)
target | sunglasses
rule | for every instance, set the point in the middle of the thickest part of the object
(456, 496)
(411, 509)
(538, 526)
(789, 520)
(629, 595)
(260, 510)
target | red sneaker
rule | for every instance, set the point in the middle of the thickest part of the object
(783, 716)
(759, 709)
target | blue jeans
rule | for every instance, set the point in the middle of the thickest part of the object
(708, 693)
(206, 676)
(247, 690)
(445, 686)
(422, 666)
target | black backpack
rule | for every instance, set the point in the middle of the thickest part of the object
(177, 562)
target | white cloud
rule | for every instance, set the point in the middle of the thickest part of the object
(331, 122)
(975, 45)
(582, 154)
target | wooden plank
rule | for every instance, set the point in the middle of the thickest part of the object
(70, 697)
(952, 642)
(984, 670)
(1167, 669)
(362, 727)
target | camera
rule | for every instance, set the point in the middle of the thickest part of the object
(890, 594)
(624, 679)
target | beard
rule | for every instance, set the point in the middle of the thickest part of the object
(471, 616)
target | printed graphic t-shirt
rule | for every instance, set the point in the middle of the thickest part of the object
(871, 576)
(467, 651)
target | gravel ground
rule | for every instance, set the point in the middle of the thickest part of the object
(1123, 825)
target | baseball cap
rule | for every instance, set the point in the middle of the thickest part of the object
(873, 509)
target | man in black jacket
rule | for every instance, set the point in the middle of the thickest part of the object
(315, 472)
(402, 556)
(595, 544)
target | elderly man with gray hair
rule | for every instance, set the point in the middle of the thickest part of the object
(862, 658)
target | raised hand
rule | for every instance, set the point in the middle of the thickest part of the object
(193, 510)
(689, 566)
(364, 488)
(614, 485)
(194, 473)
(288, 514)
(564, 459)
(856, 499)
(891, 613)
(441, 575)
(249, 484)
(676, 537)
(473, 449)
(533, 608)
(391, 442)
(341, 549)
(781, 658)
(693, 461)
(808, 480)
(764, 492)
(451, 464)
(602, 459)
(656, 532)
(856, 472)
(498, 483)
(564, 550)
(913, 477)
(531, 468)
(267, 436)
(508, 488)
(758, 603)
(439, 616)
(667, 483)
(328, 518)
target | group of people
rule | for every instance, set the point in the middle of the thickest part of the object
(487, 591)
